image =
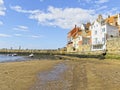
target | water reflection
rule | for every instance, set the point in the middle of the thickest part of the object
(53, 74)
(53, 80)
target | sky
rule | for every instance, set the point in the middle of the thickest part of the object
(44, 24)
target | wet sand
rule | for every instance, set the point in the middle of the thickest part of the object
(81, 74)
(22, 75)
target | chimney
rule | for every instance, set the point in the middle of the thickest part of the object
(118, 14)
(75, 25)
(108, 16)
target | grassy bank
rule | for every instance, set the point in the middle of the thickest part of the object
(113, 56)
(21, 75)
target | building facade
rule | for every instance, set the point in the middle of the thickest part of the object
(93, 37)
(79, 38)
(101, 31)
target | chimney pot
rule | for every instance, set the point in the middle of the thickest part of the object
(75, 26)
(108, 16)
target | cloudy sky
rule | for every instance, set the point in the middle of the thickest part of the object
(44, 24)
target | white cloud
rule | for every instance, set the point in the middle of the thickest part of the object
(1, 2)
(18, 35)
(1, 23)
(36, 36)
(101, 1)
(101, 8)
(2, 8)
(64, 18)
(4, 35)
(21, 28)
(19, 9)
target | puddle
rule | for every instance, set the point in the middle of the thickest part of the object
(53, 74)
(53, 80)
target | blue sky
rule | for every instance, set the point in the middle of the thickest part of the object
(44, 24)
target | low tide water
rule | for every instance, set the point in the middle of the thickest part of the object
(7, 58)
(52, 79)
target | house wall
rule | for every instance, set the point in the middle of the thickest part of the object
(98, 36)
(69, 49)
(82, 27)
(118, 19)
(96, 33)
(112, 30)
(101, 33)
(84, 48)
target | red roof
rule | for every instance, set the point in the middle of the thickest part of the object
(73, 32)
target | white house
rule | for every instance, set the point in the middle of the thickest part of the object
(101, 31)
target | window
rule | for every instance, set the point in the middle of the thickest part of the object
(103, 29)
(96, 25)
(95, 40)
(95, 32)
(103, 39)
(85, 41)
(97, 46)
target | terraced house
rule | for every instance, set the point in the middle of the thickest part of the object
(94, 36)
(102, 30)
(79, 38)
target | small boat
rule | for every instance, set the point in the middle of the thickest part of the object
(14, 54)
(9, 54)
(31, 55)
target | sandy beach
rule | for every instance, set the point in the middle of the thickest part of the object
(69, 74)
(22, 75)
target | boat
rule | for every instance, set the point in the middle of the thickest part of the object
(14, 54)
(9, 54)
(31, 55)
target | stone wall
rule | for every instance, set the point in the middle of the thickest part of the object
(113, 45)
(80, 49)
(84, 48)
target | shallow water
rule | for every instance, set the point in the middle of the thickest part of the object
(6, 58)
(53, 74)
(52, 80)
